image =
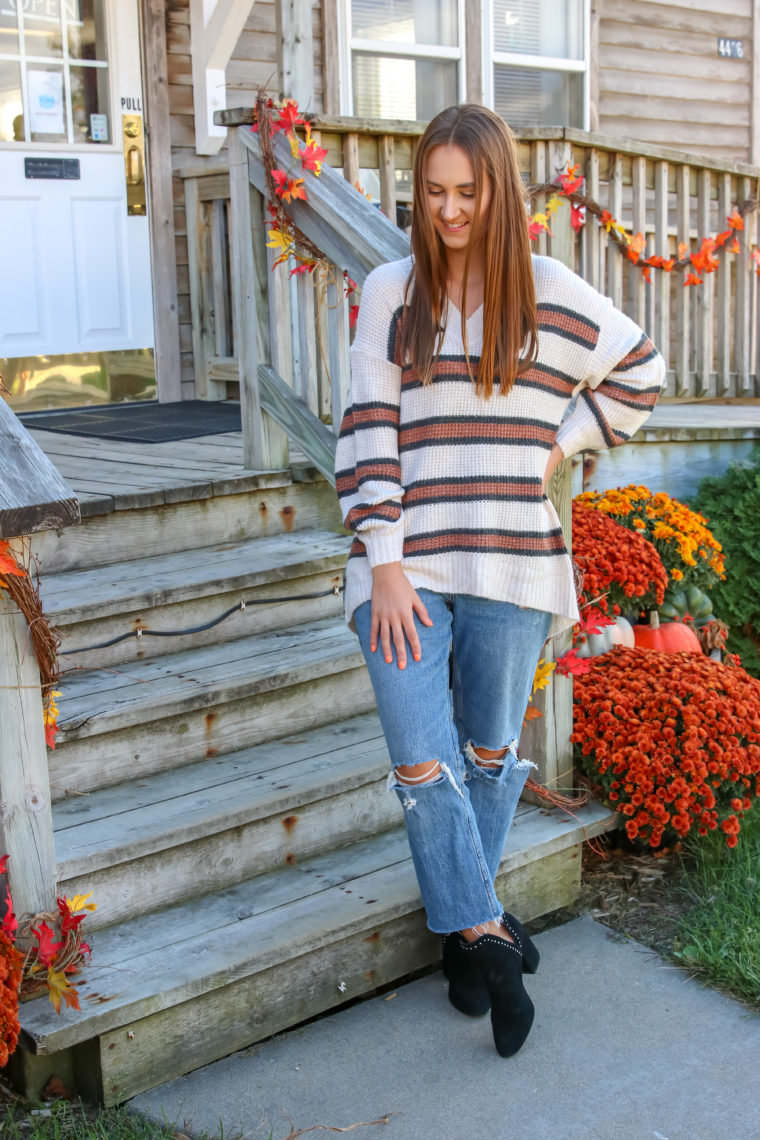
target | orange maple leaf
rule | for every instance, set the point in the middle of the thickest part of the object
(735, 220)
(59, 988)
(734, 247)
(635, 246)
(667, 264)
(722, 238)
(683, 250)
(705, 261)
(532, 714)
(692, 279)
(293, 189)
(8, 564)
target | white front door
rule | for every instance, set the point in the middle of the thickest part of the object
(75, 280)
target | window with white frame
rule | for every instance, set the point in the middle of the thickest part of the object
(405, 57)
(538, 61)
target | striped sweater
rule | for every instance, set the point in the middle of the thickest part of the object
(448, 482)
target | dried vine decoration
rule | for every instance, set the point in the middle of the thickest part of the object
(25, 594)
(266, 129)
(704, 260)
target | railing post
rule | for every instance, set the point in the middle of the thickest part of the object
(26, 821)
(546, 740)
(243, 275)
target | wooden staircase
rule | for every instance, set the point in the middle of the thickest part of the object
(221, 793)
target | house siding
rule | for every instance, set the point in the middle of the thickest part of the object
(660, 79)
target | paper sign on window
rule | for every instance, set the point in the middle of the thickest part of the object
(46, 102)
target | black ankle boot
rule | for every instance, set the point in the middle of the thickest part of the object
(499, 964)
(467, 991)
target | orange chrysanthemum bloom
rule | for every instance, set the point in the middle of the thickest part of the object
(616, 562)
(680, 748)
(11, 962)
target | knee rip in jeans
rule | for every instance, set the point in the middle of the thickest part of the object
(493, 760)
(413, 775)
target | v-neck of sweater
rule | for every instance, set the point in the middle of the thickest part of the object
(458, 311)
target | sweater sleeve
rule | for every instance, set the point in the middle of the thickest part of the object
(367, 468)
(623, 378)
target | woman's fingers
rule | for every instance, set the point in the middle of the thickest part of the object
(419, 608)
(400, 643)
(374, 630)
(412, 638)
(385, 640)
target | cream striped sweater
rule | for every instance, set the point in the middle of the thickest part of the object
(449, 483)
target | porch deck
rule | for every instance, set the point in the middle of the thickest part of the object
(112, 475)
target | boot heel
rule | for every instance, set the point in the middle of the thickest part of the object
(468, 992)
(530, 954)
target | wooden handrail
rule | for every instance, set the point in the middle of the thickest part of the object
(33, 494)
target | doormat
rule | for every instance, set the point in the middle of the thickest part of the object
(142, 423)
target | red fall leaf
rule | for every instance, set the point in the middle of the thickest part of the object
(46, 947)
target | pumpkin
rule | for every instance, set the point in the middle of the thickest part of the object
(595, 644)
(673, 637)
(690, 600)
(622, 633)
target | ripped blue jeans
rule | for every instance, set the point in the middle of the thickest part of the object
(457, 823)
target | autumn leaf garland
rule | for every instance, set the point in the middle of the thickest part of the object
(283, 236)
(705, 260)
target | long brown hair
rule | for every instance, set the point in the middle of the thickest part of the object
(510, 325)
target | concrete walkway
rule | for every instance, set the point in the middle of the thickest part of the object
(624, 1047)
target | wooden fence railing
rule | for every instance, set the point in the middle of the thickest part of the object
(707, 333)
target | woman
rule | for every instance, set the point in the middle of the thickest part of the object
(465, 360)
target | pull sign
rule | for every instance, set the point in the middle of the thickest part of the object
(730, 49)
(63, 168)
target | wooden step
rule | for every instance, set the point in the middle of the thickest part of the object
(170, 991)
(192, 588)
(208, 514)
(138, 846)
(164, 712)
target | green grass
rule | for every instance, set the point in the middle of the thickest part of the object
(63, 1121)
(720, 936)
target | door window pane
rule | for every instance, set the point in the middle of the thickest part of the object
(11, 107)
(406, 21)
(86, 29)
(67, 92)
(525, 97)
(386, 87)
(89, 97)
(539, 27)
(47, 105)
(8, 29)
(43, 30)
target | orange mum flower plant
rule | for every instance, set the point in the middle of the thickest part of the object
(620, 567)
(680, 536)
(671, 740)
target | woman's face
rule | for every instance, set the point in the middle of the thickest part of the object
(451, 195)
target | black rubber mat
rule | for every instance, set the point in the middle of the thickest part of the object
(142, 423)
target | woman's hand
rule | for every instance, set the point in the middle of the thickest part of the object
(556, 456)
(394, 604)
